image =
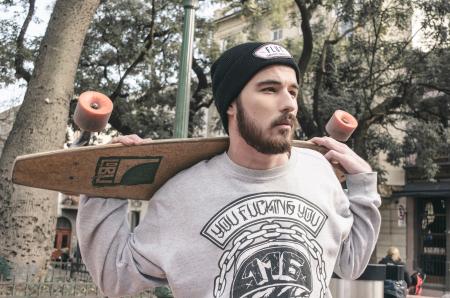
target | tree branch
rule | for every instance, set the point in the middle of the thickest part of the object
(205, 104)
(345, 33)
(202, 80)
(21, 72)
(307, 37)
(388, 105)
(320, 72)
(434, 87)
(377, 31)
(148, 42)
(115, 119)
(395, 58)
(304, 118)
(437, 107)
(202, 85)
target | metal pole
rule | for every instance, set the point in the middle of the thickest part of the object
(184, 78)
(184, 91)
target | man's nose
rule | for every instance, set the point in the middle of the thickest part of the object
(288, 103)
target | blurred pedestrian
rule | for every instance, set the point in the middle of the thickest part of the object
(393, 258)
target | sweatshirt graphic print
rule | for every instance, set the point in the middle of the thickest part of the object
(269, 246)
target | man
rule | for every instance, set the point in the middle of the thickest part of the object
(260, 220)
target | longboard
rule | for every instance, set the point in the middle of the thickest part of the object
(119, 171)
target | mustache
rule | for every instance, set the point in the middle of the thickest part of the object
(286, 118)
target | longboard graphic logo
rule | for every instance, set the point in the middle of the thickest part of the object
(119, 170)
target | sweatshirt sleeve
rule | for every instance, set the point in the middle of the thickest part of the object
(360, 242)
(120, 262)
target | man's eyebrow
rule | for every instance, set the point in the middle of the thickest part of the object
(274, 82)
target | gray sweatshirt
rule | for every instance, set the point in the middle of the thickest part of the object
(220, 230)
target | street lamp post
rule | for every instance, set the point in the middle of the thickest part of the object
(184, 78)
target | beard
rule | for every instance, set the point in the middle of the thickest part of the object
(253, 135)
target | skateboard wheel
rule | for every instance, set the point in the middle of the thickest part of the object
(341, 125)
(93, 111)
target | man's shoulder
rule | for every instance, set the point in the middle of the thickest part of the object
(309, 154)
(193, 176)
(206, 166)
(312, 160)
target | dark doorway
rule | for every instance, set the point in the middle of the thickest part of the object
(432, 246)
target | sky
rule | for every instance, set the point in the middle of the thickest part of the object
(13, 94)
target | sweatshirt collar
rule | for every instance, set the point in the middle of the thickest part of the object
(235, 169)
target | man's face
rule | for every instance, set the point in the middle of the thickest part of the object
(266, 109)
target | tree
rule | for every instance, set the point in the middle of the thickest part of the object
(381, 79)
(27, 216)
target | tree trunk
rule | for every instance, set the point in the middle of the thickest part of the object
(360, 140)
(27, 215)
(304, 115)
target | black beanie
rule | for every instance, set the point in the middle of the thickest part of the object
(236, 66)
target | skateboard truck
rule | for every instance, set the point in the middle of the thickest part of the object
(91, 115)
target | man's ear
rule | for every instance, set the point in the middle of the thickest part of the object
(232, 109)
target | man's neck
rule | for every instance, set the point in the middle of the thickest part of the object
(246, 156)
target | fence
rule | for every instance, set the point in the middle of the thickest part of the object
(62, 279)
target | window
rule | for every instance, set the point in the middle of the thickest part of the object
(277, 34)
(65, 241)
(63, 233)
(62, 239)
(63, 223)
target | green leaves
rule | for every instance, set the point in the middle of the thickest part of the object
(378, 73)
(132, 54)
(427, 142)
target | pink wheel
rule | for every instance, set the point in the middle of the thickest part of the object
(341, 125)
(92, 111)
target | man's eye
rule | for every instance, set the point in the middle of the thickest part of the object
(269, 89)
(293, 93)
